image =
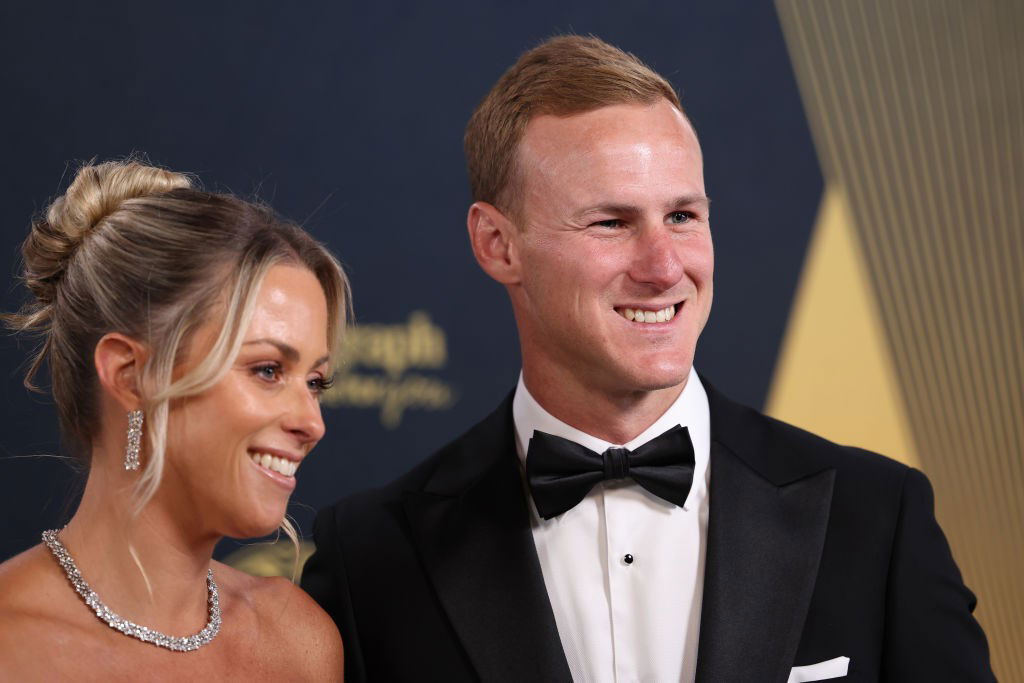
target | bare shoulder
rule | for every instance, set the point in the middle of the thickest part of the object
(28, 582)
(35, 615)
(293, 618)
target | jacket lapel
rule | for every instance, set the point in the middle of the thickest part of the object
(471, 527)
(768, 516)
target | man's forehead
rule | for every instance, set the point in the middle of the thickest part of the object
(610, 117)
(612, 151)
(620, 129)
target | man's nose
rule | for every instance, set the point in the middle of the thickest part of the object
(303, 418)
(656, 259)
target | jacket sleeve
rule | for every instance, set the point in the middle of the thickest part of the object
(930, 632)
(325, 579)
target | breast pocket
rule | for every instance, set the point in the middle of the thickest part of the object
(822, 671)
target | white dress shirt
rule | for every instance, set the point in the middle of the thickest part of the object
(622, 622)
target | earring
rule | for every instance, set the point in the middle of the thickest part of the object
(131, 451)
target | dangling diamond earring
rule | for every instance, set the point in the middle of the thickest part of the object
(131, 452)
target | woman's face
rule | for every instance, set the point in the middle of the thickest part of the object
(233, 451)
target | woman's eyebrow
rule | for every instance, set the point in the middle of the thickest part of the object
(288, 351)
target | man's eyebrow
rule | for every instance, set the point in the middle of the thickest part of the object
(691, 199)
(610, 209)
(632, 210)
(627, 209)
(288, 351)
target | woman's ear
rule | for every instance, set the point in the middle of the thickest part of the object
(119, 361)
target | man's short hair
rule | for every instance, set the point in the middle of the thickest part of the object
(562, 76)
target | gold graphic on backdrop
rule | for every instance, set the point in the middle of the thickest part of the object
(917, 111)
(835, 374)
(382, 367)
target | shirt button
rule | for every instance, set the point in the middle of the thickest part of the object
(627, 558)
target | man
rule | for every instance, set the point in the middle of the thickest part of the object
(616, 519)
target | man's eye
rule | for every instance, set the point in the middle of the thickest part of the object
(680, 217)
(610, 223)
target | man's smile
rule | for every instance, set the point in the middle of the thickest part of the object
(648, 315)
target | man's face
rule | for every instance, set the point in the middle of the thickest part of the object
(613, 221)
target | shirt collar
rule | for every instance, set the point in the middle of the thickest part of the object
(690, 409)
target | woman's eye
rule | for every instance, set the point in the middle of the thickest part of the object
(319, 385)
(679, 217)
(269, 372)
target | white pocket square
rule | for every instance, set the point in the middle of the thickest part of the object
(822, 671)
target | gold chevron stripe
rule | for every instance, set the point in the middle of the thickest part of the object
(835, 374)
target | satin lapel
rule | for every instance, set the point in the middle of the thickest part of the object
(764, 545)
(478, 550)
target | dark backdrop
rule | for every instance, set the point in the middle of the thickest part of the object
(349, 118)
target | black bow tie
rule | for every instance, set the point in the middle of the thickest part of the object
(562, 472)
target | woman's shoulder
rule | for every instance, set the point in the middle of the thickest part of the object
(28, 584)
(35, 614)
(279, 608)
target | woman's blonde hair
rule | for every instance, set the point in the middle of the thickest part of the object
(140, 250)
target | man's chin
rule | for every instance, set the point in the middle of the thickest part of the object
(648, 379)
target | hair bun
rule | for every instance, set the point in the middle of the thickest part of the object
(98, 191)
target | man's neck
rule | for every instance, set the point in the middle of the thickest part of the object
(615, 417)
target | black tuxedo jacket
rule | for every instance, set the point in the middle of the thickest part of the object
(815, 551)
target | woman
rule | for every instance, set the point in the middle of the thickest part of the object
(188, 336)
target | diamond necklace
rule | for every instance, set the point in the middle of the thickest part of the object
(147, 635)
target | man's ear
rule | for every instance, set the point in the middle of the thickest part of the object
(119, 361)
(492, 236)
